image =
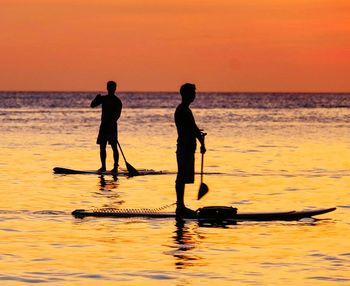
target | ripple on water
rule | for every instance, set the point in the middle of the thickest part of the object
(241, 202)
(48, 276)
(170, 275)
(343, 206)
(9, 230)
(29, 279)
(330, 279)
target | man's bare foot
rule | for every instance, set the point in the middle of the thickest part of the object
(101, 170)
(184, 212)
(114, 171)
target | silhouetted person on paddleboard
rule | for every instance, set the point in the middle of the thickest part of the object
(188, 132)
(108, 133)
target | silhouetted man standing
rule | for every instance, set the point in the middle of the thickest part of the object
(188, 132)
(111, 109)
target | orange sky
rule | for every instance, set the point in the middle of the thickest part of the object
(155, 45)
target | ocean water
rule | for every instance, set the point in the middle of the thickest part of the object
(266, 152)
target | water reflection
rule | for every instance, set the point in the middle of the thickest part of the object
(185, 242)
(107, 188)
(187, 239)
(108, 184)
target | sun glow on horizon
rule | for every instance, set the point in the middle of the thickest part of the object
(223, 46)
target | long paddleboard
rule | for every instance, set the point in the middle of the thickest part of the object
(66, 171)
(215, 214)
(142, 172)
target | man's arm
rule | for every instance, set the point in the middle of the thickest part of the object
(201, 140)
(118, 110)
(200, 136)
(96, 101)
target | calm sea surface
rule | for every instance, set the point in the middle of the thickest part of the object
(269, 152)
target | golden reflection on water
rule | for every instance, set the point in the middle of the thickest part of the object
(259, 171)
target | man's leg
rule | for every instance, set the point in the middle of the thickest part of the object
(184, 175)
(115, 157)
(181, 209)
(103, 155)
(180, 191)
(180, 181)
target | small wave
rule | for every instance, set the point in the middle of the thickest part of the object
(344, 206)
(28, 279)
(330, 279)
(50, 212)
(241, 202)
(29, 212)
(9, 230)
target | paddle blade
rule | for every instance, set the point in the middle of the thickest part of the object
(131, 170)
(203, 189)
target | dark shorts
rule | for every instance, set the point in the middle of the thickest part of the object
(107, 135)
(185, 167)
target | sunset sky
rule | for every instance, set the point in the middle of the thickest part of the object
(155, 45)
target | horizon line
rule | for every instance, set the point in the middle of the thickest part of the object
(163, 91)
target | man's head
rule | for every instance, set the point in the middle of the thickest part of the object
(111, 87)
(188, 92)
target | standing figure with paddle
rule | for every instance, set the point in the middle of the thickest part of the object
(108, 133)
(188, 133)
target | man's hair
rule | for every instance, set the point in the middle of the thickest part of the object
(186, 88)
(111, 85)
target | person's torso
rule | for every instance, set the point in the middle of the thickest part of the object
(186, 129)
(111, 107)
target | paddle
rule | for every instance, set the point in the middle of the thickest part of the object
(203, 188)
(131, 170)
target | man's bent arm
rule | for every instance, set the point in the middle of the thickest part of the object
(97, 101)
(118, 111)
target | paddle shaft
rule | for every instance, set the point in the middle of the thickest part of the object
(121, 150)
(203, 188)
(132, 171)
(202, 164)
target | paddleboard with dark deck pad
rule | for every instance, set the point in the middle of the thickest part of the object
(66, 171)
(207, 213)
(142, 172)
